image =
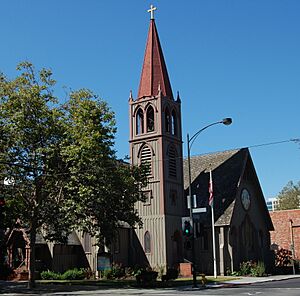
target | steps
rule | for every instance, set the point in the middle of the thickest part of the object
(19, 274)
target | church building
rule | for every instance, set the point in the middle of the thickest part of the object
(241, 220)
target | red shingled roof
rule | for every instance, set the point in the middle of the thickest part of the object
(154, 71)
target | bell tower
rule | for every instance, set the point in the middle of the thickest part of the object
(156, 139)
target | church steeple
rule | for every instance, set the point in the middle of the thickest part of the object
(154, 72)
(156, 140)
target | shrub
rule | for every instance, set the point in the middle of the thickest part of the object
(258, 269)
(89, 274)
(50, 275)
(251, 268)
(283, 257)
(161, 270)
(245, 268)
(137, 270)
(73, 274)
(116, 272)
(147, 277)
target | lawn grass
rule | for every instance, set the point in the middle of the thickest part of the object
(123, 283)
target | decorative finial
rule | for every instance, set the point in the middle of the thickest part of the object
(178, 97)
(130, 96)
(151, 10)
(159, 88)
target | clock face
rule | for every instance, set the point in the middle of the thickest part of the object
(245, 198)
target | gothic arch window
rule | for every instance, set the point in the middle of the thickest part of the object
(150, 119)
(147, 242)
(139, 122)
(172, 162)
(174, 123)
(146, 159)
(167, 120)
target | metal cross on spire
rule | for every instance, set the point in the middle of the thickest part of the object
(151, 10)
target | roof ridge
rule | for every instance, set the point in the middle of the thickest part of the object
(219, 152)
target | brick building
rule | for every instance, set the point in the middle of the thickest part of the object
(281, 237)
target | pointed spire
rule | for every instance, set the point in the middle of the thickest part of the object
(130, 96)
(178, 97)
(154, 71)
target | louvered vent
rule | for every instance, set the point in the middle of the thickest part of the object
(146, 157)
(172, 162)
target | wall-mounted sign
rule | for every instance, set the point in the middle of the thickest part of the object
(103, 262)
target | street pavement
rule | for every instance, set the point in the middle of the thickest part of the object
(219, 288)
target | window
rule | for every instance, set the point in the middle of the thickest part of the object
(167, 120)
(150, 119)
(139, 122)
(174, 123)
(147, 195)
(172, 162)
(87, 242)
(147, 242)
(146, 158)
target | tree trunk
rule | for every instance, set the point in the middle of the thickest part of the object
(31, 279)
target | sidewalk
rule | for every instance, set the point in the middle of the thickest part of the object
(252, 280)
(235, 281)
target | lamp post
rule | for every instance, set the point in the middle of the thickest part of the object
(292, 245)
(190, 141)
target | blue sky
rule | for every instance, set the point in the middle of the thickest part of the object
(238, 58)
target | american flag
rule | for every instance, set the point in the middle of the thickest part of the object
(210, 189)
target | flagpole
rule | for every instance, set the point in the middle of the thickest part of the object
(212, 223)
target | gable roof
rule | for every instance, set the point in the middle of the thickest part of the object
(228, 168)
(202, 164)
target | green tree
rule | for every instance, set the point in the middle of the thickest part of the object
(62, 161)
(103, 188)
(289, 197)
(31, 132)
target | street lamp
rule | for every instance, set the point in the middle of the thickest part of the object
(190, 141)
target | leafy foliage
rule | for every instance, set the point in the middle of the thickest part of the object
(245, 268)
(250, 268)
(258, 269)
(50, 275)
(289, 197)
(71, 274)
(283, 257)
(104, 190)
(61, 160)
(146, 277)
(117, 271)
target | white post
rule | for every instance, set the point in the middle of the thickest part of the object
(211, 201)
(213, 239)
